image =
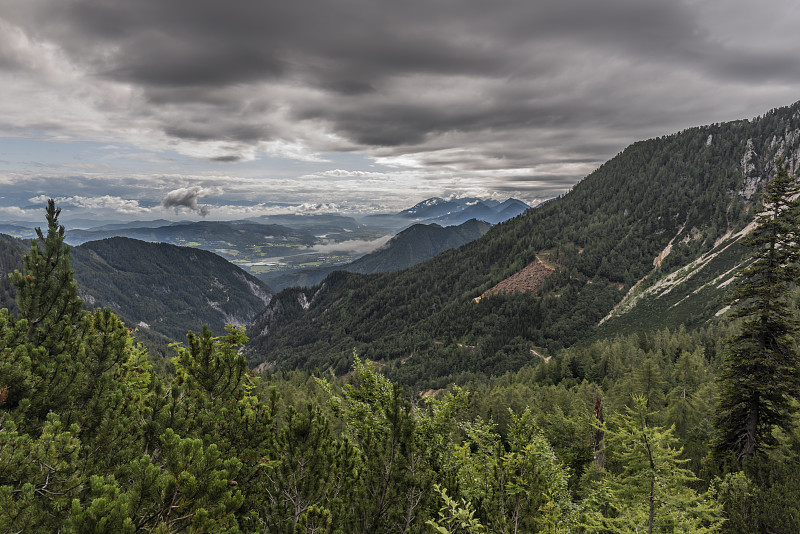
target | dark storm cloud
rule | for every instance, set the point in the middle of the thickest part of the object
(220, 130)
(187, 198)
(227, 159)
(207, 42)
(506, 84)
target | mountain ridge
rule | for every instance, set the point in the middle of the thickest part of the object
(690, 189)
(162, 288)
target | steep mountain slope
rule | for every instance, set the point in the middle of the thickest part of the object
(416, 244)
(165, 288)
(162, 290)
(689, 295)
(410, 247)
(688, 190)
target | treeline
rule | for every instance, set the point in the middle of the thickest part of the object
(607, 437)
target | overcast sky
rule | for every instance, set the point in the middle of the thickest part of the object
(227, 109)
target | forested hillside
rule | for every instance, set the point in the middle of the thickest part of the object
(688, 190)
(161, 289)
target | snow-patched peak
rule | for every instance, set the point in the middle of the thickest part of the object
(424, 205)
(489, 210)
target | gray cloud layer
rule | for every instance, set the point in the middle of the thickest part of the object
(549, 89)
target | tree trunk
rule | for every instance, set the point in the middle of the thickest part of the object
(750, 444)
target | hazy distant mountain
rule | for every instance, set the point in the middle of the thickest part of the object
(416, 244)
(478, 210)
(15, 230)
(459, 210)
(210, 235)
(129, 225)
(323, 222)
(511, 208)
(492, 212)
(411, 246)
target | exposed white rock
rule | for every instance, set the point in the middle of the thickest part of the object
(748, 159)
(750, 186)
(664, 253)
(666, 284)
(255, 289)
(87, 298)
(231, 319)
(726, 283)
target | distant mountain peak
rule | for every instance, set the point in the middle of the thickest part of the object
(428, 206)
(456, 211)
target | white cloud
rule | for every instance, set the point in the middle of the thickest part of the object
(342, 173)
(355, 246)
(105, 202)
(15, 212)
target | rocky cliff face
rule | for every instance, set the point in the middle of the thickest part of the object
(757, 165)
(285, 306)
(696, 289)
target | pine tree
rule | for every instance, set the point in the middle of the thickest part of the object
(394, 465)
(309, 479)
(761, 371)
(47, 296)
(50, 325)
(652, 492)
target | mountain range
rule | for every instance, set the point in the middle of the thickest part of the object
(457, 211)
(450, 212)
(235, 235)
(651, 239)
(139, 270)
